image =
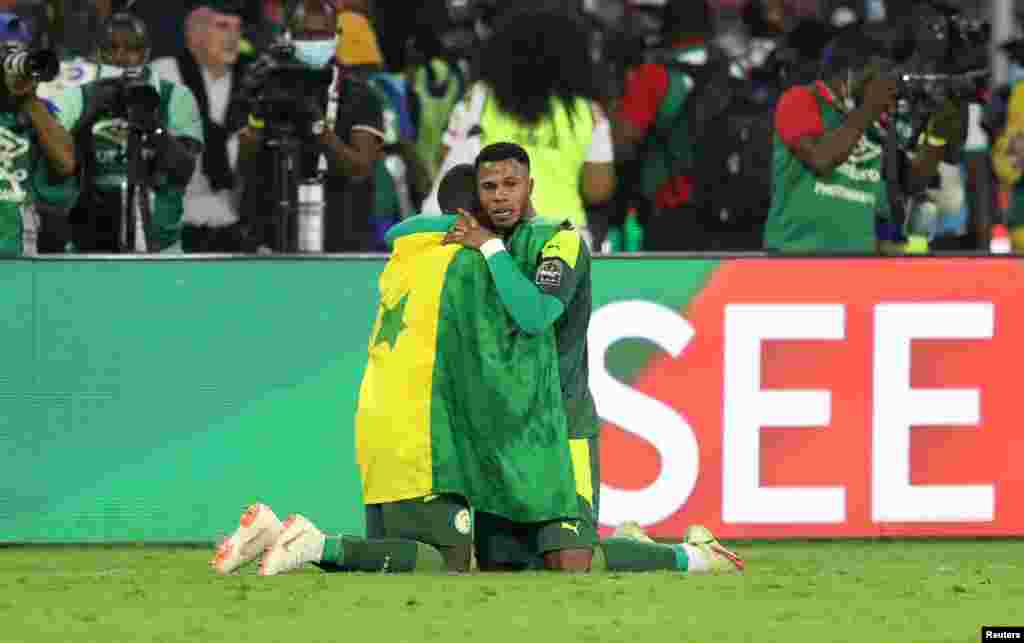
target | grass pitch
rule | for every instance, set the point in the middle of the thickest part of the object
(794, 592)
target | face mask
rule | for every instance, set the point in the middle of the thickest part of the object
(316, 53)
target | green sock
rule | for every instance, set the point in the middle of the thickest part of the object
(347, 554)
(627, 555)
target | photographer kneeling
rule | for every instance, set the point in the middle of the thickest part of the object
(828, 186)
(36, 152)
(138, 138)
(334, 125)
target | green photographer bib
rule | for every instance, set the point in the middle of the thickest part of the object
(180, 115)
(836, 213)
(15, 170)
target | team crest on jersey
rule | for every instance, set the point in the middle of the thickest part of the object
(550, 273)
(462, 522)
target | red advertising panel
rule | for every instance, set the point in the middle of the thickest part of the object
(821, 398)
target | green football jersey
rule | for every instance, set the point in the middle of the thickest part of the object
(559, 262)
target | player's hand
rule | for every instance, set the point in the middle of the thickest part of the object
(947, 123)
(468, 232)
(21, 89)
(249, 136)
(880, 95)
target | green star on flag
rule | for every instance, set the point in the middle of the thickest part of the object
(392, 323)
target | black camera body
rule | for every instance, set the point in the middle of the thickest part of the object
(39, 65)
(276, 85)
(948, 56)
(138, 102)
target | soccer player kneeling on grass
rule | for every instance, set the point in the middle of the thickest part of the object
(555, 256)
(456, 407)
(541, 269)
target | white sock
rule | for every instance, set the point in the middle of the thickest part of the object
(698, 561)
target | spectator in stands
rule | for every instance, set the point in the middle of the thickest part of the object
(437, 83)
(1008, 160)
(675, 223)
(346, 143)
(208, 67)
(99, 120)
(541, 93)
(828, 186)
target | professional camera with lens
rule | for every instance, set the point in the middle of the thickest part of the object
(40, 65)
(138, 102)
(943, 54)
(275, 86)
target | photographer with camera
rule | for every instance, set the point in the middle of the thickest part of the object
(138, 138)
(828, 185)
(314, 135)
(37, 151)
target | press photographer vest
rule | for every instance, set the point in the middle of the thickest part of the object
(16, 166)
(832, 214)
(438, 86)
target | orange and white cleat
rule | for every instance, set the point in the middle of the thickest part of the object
(258, 528)
(300, 542)
(720, 559)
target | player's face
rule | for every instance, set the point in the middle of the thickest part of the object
(126, 49)
(222, 39)
(504, 188)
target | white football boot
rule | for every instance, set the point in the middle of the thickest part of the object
(258, 528)
(720, 559)
(633, 531)
(300, 542)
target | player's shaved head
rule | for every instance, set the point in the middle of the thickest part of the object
(458, 190)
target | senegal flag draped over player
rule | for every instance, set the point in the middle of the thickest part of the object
(455, 399)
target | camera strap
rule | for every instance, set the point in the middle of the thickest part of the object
(333, 102)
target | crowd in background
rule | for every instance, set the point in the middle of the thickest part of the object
(595, 95)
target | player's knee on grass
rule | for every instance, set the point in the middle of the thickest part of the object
(440, 521)
(457, 558)
(569, 560)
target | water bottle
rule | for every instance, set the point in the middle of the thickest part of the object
(612, 241)
(632, 233)
(1001, 243)
(400, 175)
(310, 216)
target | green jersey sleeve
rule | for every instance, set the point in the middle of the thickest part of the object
(557, 273)
(418, 224)
(183, 114)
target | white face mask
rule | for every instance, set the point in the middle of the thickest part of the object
(316, 53)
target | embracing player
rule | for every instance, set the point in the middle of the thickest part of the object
(517, 244)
